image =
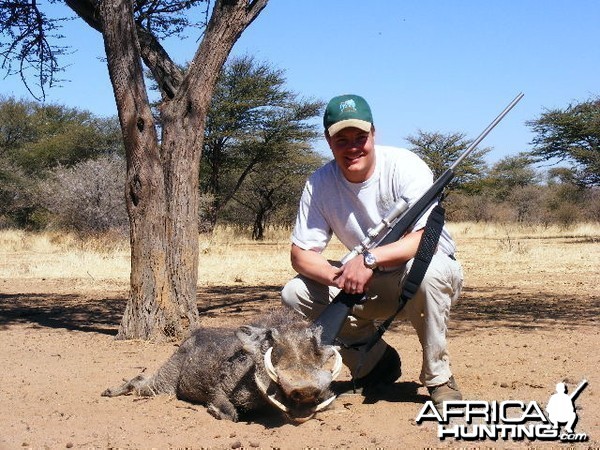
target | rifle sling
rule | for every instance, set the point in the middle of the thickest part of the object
(426, 250)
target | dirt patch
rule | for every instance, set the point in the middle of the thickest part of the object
(527, 319)
(59, 353)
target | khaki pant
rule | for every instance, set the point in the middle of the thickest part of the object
(428, 311)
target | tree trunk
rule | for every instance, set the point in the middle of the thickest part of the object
(150, 311)
(162, 179)
(258, 230)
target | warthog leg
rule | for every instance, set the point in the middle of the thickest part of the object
(221, 408)
(141, 385)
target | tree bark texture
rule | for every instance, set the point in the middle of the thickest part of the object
(162, 176)
(150, 311)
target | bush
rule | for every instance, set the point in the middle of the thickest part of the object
(591, 205)
(525, 203)
(88, 197)
(16, 196)
(469, 208)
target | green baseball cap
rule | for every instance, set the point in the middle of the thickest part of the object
(346, 111)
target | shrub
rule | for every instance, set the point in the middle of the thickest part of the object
(87, 197)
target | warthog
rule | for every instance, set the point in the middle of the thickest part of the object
(278, 361)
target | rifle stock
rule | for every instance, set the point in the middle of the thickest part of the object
(333, 316)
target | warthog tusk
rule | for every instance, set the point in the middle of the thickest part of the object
(269, 366)
(270, 397)
(325, 404)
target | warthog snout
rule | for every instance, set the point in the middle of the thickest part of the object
(302, 379)
(307, 394)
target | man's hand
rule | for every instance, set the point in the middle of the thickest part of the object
(354, 277)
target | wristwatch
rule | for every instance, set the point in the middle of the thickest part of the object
(370, 260)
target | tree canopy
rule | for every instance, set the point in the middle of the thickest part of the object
(254, 122)
(508, 174)
(440, 150)
(32, 43)
(570, 135)
(37, 137)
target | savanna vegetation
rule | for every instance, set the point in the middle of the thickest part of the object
(64, 168)
(255, 149)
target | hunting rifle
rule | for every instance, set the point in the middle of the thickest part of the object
(391, 228)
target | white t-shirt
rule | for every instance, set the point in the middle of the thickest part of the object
(330, 204)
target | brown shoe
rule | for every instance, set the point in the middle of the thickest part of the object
(444, 392)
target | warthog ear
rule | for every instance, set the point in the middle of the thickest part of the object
(253, 338)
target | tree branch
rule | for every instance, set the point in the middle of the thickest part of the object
(166, 73)
(229, 19)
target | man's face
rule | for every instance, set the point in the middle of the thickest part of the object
(354, 152)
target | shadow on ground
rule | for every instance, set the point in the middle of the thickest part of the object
(101, 314)
(403, 391)
(70, 311)
(498, 307)
(495, 307)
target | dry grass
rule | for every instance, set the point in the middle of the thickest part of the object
(226, 258)
(560, 262)
(52, 255)
(523, 231)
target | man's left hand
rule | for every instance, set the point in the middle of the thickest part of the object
(354, 277)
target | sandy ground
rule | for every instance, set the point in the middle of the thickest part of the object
(512, 337)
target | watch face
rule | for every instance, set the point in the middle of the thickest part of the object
(370, 260)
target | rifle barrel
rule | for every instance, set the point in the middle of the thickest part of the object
(485, 132)
(374, 236)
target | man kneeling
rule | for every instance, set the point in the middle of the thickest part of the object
(347, 197)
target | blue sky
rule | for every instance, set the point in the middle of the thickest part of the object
(447, 66)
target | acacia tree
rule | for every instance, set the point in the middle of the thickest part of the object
(162, 171)
(275, 187)
(440, 150)
(38, 137)
(252, 120)
(571, 135)
(508, 174)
